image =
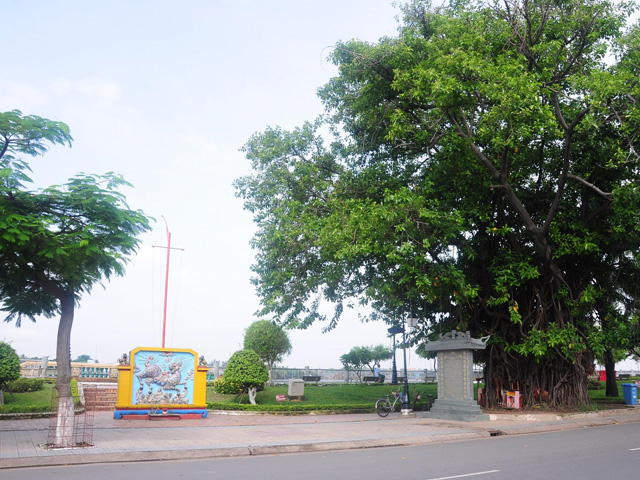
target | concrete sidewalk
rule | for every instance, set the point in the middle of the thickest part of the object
(226, 435)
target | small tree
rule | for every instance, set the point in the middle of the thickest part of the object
(9, 366)
(245, 369)
(56, 243)
(379, 353)
(84, 358)
(360, 357)
(353, 361)
(269, 341)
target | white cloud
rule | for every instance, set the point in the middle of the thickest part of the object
(99, 89)
(24, 97)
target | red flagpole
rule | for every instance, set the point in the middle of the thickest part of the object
(166, 279)
(166, 282)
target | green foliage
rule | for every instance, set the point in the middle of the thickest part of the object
(24, 385)
(268, 340)
(63, 239)
(484, 178)
(26, 135)
(360, 357)
(227, 387)
(74, 388)
(246, 370)
(84, 358)
(15, 408)
(57, 243)
(9, 364)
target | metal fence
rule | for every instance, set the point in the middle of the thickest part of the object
(79, 432)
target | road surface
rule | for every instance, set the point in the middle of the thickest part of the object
(611, 452)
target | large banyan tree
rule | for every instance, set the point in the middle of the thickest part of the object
(482, 172)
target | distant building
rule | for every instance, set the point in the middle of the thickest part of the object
(46, 369)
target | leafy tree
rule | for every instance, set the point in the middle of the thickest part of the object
(379, 353)
(84, 358)
(57, 243)
(9, 365)
(483, 170)
(353, 361)
(360, 357)
(269, 341)
(245, 369)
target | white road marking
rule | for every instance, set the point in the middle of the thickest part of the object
(633, 449)
(466, 475)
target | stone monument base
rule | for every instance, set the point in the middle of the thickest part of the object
(462, 410)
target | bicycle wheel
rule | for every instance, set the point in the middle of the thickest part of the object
(419, 403)
(429, 402)
(383, 407)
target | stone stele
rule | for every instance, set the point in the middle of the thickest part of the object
(455, 376)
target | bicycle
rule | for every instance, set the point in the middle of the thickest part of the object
(384, 405)
(422, 402)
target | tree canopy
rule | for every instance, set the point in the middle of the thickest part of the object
(358, 358)
(269, 340)
(84, 358)
(483, 172)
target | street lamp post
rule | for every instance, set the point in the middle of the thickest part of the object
(406, 403)
(394, 371)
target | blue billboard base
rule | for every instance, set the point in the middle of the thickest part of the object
(175, 413)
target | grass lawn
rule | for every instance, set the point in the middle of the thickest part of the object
(39, 401)
(361, 394)
(357, 394)
(598, 396)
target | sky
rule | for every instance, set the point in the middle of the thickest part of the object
(166, 93)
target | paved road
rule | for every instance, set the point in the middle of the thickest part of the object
(606, 452)
(22, 441)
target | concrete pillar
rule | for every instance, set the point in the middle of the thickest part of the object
(44, 365)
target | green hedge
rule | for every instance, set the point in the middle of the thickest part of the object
(15, 408)
(24, 385)
(293, 407)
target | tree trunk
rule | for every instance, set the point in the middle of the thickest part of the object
(253, 391)
(610, 370)
(563, 384)
(65, 421)
(271, 379)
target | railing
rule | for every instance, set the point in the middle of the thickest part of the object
(282, 374)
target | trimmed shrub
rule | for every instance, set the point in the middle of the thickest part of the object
(246, 372)
(225, 387)
(9, 363)
(24, 385)
(246, 368)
